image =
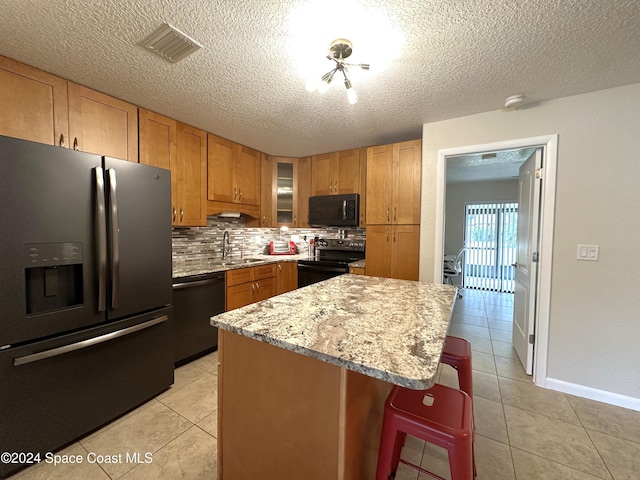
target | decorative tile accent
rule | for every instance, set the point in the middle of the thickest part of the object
(195, 246)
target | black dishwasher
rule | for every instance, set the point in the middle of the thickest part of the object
(195, 300)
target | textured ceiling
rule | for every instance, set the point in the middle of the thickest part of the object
(458, 58)
(501, 165)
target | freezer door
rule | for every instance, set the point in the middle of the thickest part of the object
(139, 232)
(48, 273)
(59, 389)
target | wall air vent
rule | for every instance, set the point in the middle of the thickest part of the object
(170, 43)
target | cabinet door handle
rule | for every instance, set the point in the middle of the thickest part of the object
(330, 187)
(258, 287)
(253, 288)
(280, 268)
(394, 213)
(387, 234)
(235, 193)
(174, 213)
(394, 236)
(75, 143)
(264, 220)
(61, 142)
(387, 214)
(240, 194)
(181, 214)
(362, 219)
(295, 219)
(335, 187)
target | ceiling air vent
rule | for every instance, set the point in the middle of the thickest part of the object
(170, 43)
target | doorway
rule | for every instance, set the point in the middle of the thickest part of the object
(548, 144)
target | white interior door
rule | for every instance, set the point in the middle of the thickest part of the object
(524, 310)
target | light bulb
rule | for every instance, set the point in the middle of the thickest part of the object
(352, 95)
(312, 84)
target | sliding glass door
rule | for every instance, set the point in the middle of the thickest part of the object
(490, 242)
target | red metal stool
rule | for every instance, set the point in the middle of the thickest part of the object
(447, 422)
(457, 353)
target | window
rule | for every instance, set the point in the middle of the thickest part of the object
(490, 242)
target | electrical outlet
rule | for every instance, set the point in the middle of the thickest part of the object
(589, 253)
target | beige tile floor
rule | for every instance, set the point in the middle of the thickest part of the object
(522, 432)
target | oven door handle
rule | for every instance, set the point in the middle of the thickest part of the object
(323, 269)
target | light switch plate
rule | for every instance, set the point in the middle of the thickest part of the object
(589, 253)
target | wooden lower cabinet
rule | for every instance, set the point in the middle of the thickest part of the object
(285, 415)
(287, 276)
(392, 251)
(250, 285)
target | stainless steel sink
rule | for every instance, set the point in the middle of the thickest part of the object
(241, 261)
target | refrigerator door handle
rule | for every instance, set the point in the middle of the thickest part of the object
(54, 352)
(101, 234)
(115, 239)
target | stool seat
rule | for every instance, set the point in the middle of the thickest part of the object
(441, 415)
(457, 353)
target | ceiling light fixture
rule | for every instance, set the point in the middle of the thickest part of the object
(339, 50)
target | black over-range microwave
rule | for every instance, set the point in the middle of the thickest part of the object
(334, 210)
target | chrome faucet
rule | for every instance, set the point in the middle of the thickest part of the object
(226, 245)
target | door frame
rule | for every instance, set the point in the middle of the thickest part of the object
(549, 143)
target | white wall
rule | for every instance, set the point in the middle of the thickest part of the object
(463, 193)
(594, 323)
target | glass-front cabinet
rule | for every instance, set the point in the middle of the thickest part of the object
(285, 211)
(286, 186)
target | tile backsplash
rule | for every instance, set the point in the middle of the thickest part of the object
(198, 244)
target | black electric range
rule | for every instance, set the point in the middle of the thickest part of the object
(332, 258)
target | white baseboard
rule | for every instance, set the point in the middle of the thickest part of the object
(593, 394)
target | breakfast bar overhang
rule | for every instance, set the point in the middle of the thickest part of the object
(303, 376)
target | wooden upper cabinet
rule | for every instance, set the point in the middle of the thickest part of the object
(191, 176)
(169, 144)
(393, 184)
(407, 181)
(233, 172)
(220, 168)
(157, 139)
(379, 185)
(304, 191)
(267, 195)
(33, 104)
(337, 172)
(348, 180)
(323, 173)
(248, 175)
(102, 124)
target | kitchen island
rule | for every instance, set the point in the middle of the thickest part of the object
(303, 376)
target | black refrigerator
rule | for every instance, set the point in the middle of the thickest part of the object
(85, 293)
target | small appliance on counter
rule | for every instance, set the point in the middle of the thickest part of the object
(278, 247)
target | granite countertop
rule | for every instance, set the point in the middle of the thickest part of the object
(389, 329)
(212, 266)
(203, 267)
